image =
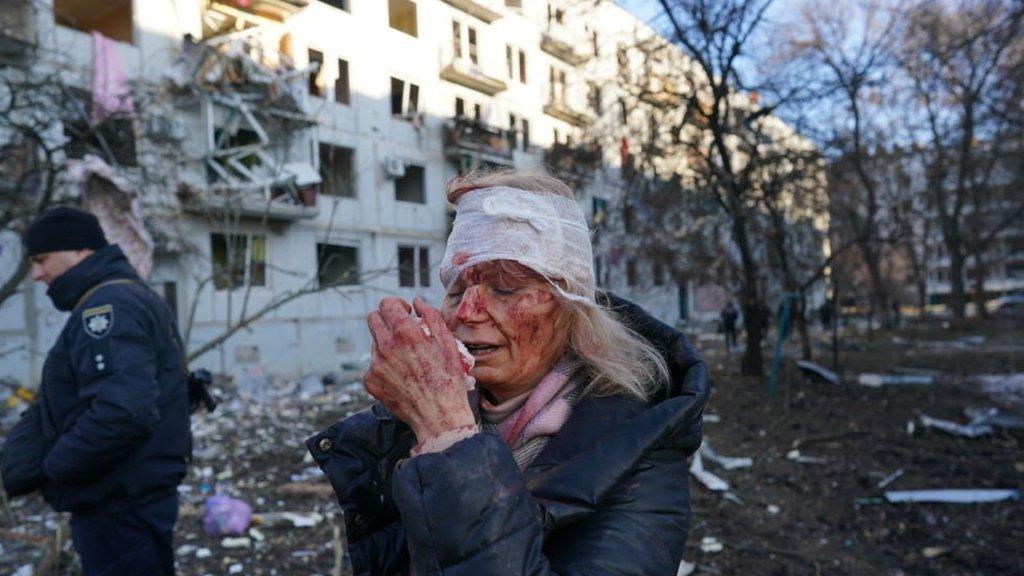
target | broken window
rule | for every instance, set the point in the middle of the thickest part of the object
(658, 273)
(473, 56)
(596, 103)
(238, 260)
(316, 57)
(339, 4)
(113, 138)
(456, 39)
(522, 66)
(460, 107)
(509, 62)
(337, 173)
(402, 16)
(411, 187)
(526, 134)
(337, 265)
(413, 266)
(631, 272)
(404, 98)
(112, 18)
(341, 88)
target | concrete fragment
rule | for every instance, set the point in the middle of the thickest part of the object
(878, 380)
(967, 431)
(709, 480)
(953, 496)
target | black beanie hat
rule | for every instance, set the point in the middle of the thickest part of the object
(64, 229)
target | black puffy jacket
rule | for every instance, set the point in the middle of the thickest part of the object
(113, 403)
(607, 495)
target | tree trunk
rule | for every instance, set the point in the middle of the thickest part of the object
(879, 293)
(957, 294)
(800, 316)
(11, 284)
(753, 362)
(979, 284)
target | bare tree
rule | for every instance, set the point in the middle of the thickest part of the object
(962, 63)
(850, 42)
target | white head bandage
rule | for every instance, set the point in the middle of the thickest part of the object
(544, 232)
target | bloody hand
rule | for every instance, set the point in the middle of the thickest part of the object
(418, 377)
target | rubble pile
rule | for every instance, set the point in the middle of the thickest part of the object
(250, 451)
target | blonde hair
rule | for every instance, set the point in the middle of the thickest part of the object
(616, 359)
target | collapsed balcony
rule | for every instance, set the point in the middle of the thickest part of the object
(465, 138)
(562, 43)
(258, 134)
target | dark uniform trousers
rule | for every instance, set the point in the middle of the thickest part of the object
(135, 542)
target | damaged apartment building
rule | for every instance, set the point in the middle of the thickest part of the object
(277, 166)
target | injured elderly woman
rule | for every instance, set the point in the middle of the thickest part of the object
(529, 425)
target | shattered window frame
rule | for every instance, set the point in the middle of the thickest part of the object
(402, 16)
(413, 266)
(248, 265)
(342, 87)
(337, 265)
(412, 187)
(75, 15)
(315, 89)
(337, 170)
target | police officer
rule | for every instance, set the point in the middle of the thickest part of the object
(112, 408)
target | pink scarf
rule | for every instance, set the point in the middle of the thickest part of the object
(543, 412)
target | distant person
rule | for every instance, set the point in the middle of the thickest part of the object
(729, 318)
(825, 314)
(108, 436)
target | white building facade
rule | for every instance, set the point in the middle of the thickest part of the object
(402, 95)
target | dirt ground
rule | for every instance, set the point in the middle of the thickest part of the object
(829, 518)
(780, 516)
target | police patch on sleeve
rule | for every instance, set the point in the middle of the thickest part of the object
(98, 320)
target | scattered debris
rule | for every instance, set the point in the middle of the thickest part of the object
(817, 373)
(293, 519)
(891, 478)
(711, 545)
(934, 551)
(203, 553)
(225, 515)
(877, 380)
(965, 430)
(239, 542)
(1004, 388)
(712, 419)
(796, 456)
(309, 473)
(733, 498)
(709, 480)
(773, 509)
(685, 568)
(25, 570)
(994, 417)
(953, 496)
(185, 550)
(317, 490)
(727, 462)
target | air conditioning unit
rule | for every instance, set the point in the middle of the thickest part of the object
(394, 167)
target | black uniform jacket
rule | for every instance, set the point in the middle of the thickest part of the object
(113, 407)
(607, 495)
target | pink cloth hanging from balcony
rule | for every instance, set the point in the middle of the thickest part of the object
(110, 92)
